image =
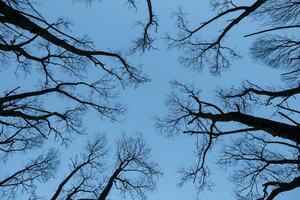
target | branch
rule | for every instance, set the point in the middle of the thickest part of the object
(282, 187)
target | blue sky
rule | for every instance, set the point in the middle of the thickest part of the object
(110, 24)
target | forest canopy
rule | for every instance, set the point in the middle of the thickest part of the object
(54, 78)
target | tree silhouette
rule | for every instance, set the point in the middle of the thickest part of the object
(264, 151)
(36, 44)
(263, 154)
(38, 47)
(133, 173)
(26, 179)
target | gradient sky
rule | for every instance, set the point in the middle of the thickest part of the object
(110, 24)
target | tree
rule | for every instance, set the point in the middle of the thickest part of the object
(133, 173)
(59, 64)
(40, 169)
(265, 152)
(38, 45)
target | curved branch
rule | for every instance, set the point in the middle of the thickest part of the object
(282, 187)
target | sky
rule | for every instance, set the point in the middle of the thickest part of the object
(110, 24)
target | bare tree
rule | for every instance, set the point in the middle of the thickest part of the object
(263, 151)
(84, 167)
(134, 172)
(26, 179)
(36, 45)
(145, 41)
(275, 15)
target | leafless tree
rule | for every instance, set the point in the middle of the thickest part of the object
(27, 179)
(133, 173)
(264, 152)
(145, 41)
(36, 45)
(275, 16)
(90, 176)
(48, 52)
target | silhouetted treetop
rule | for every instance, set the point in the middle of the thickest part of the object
(216, 53)
(34, 44)
(257, 128)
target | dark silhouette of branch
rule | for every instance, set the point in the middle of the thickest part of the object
(135, 173)
(26, 123)
(145, 41)
(254, 139)
(212, 53)
(281, 187)
(38, 170)
(93, 157)
(22, 21)
(272, 29)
